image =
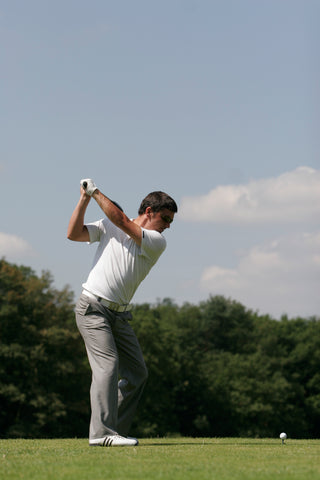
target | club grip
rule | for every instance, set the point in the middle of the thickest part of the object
(85, 185)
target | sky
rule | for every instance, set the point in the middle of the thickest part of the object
(214, 102)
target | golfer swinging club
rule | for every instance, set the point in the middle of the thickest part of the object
(127, 249)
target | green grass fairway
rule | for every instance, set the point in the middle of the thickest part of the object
(161, 458)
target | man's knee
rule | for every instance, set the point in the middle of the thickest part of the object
(141, 374)
(145, 374)
(135, 379)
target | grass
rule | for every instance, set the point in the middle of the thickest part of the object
(161, 458)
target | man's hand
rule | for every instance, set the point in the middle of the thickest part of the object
(88, 186)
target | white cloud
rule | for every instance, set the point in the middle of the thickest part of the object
(13, 246)
(282, 276)
(291, 197)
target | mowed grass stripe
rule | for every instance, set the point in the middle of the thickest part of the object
(161, 458)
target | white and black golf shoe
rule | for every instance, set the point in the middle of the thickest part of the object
(114, 441)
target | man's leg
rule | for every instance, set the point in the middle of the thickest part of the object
(94, 324)
(132, 370)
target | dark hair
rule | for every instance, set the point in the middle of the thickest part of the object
(158, 201)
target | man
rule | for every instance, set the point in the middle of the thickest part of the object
(127, 249)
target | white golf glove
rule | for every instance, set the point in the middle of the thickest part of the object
(88, 185)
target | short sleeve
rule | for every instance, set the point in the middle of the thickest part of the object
(153, 244)
(95, 230)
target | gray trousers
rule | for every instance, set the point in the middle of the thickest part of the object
(119, 372)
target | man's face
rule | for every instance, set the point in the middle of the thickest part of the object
(159, 221)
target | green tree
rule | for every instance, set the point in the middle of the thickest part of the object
(219, 369)
(215, 369)
(44, 379)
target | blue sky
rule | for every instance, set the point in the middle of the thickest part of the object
(214, 102)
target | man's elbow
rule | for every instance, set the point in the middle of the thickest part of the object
(78, 236)
(70, 236)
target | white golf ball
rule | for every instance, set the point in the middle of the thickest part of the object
(283, 436)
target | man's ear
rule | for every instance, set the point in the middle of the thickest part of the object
(148, 211)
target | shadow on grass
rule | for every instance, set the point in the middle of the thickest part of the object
(213, 444)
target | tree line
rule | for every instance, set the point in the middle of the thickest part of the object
(215, 369)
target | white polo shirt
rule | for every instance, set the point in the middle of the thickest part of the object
(120, 265)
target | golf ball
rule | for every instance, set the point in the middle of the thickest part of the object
(283, 436)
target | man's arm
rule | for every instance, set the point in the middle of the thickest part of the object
(117, 217)
(77, 231)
